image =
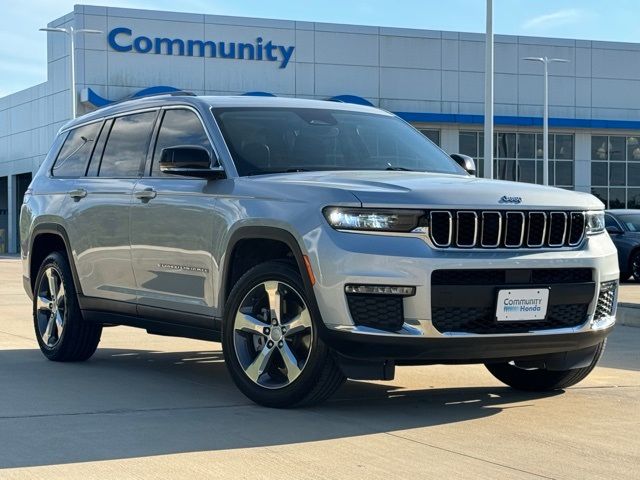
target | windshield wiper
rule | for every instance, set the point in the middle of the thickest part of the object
(399, 169)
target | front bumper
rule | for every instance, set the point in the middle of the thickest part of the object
(408, 261)
(461, 348)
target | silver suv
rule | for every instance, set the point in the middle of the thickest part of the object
(317, 241)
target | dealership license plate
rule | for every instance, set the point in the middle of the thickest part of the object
(522, 304)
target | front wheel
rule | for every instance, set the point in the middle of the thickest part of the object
(270, 340)
(539, 379)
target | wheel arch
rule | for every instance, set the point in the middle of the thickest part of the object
(47, 238)
(260, 233)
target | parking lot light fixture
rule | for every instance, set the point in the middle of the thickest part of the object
(72, 32)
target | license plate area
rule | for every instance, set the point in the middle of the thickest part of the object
(522, 304)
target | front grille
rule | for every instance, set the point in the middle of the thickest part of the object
(384, 312)
(482, 320)
(606, 300)
(546, 276)
(505, 228)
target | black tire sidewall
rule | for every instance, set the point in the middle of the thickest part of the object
(301, 386)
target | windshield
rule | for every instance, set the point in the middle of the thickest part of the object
(268, 140)
(631, 221)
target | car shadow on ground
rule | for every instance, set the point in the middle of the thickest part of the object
(136, 403)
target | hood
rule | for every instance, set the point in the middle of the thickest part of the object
(424, 190)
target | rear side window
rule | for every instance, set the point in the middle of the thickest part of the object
(126, 148)
(179, 127)
(75, 152)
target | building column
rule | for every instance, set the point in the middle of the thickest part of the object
(449, 140)
(12, 215)
(582, 164)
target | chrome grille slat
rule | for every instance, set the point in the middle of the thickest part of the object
(532, 216)
(510, 229)
(511, 226)
(497, 234)
(460, 221)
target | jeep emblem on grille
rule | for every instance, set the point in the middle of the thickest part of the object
(507, 199)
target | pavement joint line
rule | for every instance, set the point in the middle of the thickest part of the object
(14, 335)
(124, 411)
(455, 452)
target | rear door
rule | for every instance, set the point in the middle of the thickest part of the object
(100, 209)
(172, 230)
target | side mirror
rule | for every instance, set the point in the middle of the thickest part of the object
(190, 161)
(613, 230)
(466, 162)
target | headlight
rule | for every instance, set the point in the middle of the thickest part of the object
(371, 219)
(594, 222)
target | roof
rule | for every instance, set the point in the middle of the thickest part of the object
(217, 101)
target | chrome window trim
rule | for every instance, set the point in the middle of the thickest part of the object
(506, 230)
(475, 228)
(499, 236)
(564, 231)
(544, 229)
(450, 228)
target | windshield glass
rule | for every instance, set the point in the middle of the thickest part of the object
(268, 140)
(632, 222)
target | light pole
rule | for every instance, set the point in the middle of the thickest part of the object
(72, 32)
(488, 94)
(545, 117)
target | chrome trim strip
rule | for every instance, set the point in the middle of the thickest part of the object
(475, 229)
(544, 230)
(564, 231)
(499, 236)
(506, 230)
(442, 245)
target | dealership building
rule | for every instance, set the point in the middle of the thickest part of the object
(433, 79)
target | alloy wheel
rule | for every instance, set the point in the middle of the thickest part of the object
(50, 307)
(273, 334)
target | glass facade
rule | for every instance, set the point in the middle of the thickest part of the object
(615, 170)
(518, 156)
(431, 134)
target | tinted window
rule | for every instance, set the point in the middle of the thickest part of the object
(266, 140)
(127, 145)
(75, 153)
(179, 127)
(610, 222)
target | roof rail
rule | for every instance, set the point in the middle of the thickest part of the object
(153, 92)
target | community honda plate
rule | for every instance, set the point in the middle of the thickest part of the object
(522, 304)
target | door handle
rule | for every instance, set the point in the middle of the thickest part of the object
(78, 193)
(146, 194)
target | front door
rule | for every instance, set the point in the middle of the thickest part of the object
(172, 225)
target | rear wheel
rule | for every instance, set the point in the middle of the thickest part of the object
(540, 380)
(271, 343)
(62, 334)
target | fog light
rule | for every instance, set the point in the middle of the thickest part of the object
(380, 290)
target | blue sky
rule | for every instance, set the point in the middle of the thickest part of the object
(23, 48)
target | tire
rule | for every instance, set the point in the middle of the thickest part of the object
(540, 380)
(62, 334)
(277, 363)
(634, 266)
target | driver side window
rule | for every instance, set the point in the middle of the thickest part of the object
(179, 127)
(609, 221)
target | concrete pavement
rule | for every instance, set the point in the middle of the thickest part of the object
(153, 407)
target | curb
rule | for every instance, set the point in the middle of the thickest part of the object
(628, 314)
